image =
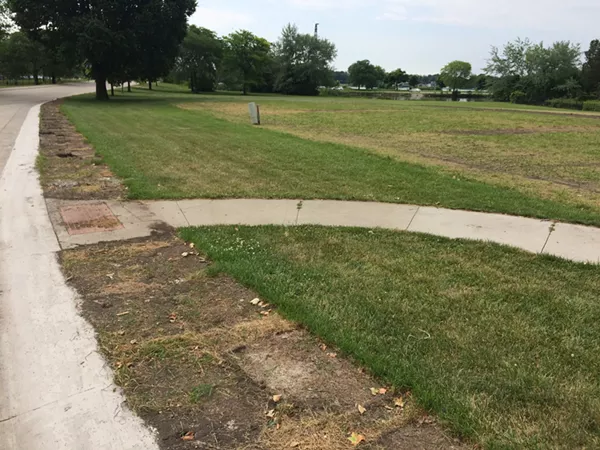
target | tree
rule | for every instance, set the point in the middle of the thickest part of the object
(590, 75)
(199, 58)
(20, 56)
(396, 78)
(160, 28)
(456, 75)
(539, 72)
(413, 81)
(363, 73)
(341, 77)
(5, 22)
(304, 62)
(114, 37)
(246, 57)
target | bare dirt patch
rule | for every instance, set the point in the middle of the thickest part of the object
(211, 368)
(69, 166)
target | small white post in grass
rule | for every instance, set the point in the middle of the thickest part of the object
(254, 113)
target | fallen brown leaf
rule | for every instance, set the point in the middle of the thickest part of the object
(294, 444)
(189, 436)
(362, 409)
(356, 439)
(277, 398)
(399, 402)
(255, 302)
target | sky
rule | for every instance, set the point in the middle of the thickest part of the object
(418, 36)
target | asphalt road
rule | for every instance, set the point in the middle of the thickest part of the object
(16, 102)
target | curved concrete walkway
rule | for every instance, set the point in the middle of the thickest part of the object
(574, 242)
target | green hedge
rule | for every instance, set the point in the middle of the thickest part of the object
(567, 103)
(591, 105)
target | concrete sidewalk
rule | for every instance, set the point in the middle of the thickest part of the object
(137, 219)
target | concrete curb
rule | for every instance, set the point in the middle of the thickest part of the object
(56, 390)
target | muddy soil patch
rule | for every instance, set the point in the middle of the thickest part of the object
(210, 366)
(68, 165)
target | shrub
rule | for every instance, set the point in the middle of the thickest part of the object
(518, 97)
(591, 105)
(566, 103)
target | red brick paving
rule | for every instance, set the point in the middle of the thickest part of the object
(92, 218)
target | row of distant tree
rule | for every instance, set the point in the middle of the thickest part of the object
(296, 64)
(522, 72)
(121, 40)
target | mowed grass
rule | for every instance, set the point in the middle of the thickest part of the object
(168, 145)
(550, 153)
(500, 344)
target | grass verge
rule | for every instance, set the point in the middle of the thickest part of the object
(164, 152)
(500, 343)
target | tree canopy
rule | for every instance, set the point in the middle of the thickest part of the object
(114, 37)
(246, 57)
(363, 73)
(591, 69)
(456, 74)
(303, 62)
(539, 72)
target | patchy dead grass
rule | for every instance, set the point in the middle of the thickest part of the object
(69, 168)
(196, 356)
(549, 155)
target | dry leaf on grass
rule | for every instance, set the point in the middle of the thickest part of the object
(294, 444)
(172, 317)
(382, 391)
(332, 355)
(362, 409)
(399, 402)
(185, 254)
(356, 438)
(189, 436)
(255, 302)
(277, 398)
(271, 413)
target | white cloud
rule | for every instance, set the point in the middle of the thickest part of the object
(222, 21)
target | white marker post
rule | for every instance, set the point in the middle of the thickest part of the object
(254, 113)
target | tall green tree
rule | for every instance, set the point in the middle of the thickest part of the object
(538, 71)
(20, 57)
(246, 58)
(590, 75)
(363, 73)
(160, 28)
(111, 36)
(200, 55)
(413, 81)
(456, 75)
(304, 62)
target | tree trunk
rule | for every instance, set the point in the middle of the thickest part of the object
(36, 77)
(245, 90)
(53, 78)
(101, 92)
(149, 85)
(112, 89)
(129, 86)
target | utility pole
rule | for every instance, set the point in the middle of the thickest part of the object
(316, 30)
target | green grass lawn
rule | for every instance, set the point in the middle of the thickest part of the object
(168, 144)
(502, 345)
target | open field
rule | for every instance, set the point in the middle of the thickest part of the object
(169, 144)
(499, 343)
